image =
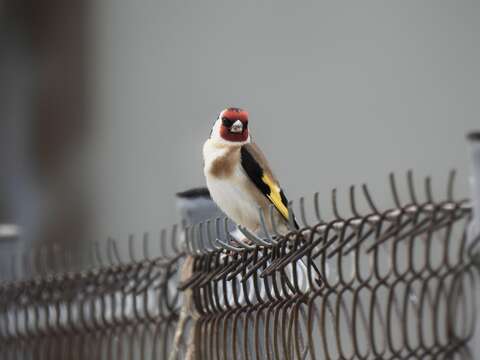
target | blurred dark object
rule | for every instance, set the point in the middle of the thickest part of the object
(43, 119)
(196, 205)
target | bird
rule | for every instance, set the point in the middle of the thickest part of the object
(239, 177)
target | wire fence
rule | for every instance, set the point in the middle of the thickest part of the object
(378, 284)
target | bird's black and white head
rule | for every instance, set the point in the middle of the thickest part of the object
(231, 127)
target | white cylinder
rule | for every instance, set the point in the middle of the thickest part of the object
(474, 229)
(474, 139)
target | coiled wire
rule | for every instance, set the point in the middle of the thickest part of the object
(392, 284)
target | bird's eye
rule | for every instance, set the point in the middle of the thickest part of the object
(227, 122)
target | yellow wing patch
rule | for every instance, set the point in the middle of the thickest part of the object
(275, 196)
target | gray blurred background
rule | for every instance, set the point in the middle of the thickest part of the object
(113, 100)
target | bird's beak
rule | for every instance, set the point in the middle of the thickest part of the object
(237, 127)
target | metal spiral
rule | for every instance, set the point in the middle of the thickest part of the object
(118, 309)
(373, 284)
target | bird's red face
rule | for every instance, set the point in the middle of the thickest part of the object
(234, 125)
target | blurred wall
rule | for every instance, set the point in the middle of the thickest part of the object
(339, 93)
(43, 123)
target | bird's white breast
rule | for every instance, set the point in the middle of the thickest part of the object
(230, 192)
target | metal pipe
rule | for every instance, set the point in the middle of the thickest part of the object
(474, 140)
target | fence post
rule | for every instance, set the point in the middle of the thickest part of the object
(474, 139)
(474, 229)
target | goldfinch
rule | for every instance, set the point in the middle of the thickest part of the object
(238, 175)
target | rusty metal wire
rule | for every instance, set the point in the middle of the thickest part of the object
(111, 311)
(372, 284)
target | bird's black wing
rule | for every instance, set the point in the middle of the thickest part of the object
(256, 167)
